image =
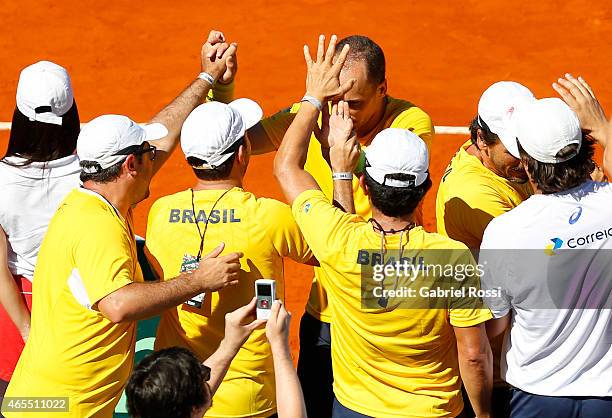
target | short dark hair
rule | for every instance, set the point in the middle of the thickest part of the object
(396, 201)
(220, 172)
(167, 383)
(363, 48)
(106, 175)
(39, 141)
(554, 178)
(489, 137)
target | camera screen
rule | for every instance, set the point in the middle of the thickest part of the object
(264, 290)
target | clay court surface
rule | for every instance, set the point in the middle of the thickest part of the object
(132, 58)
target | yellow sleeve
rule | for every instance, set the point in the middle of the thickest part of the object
(223, 93)
(103, 260)
(276, 125)
(285, 234)
(471, 209)
(469, 310)
(417, 121)
(326, 228)
(152, 242)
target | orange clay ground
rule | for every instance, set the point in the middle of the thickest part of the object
(132, 58)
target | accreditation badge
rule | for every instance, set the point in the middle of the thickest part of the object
(191, 263)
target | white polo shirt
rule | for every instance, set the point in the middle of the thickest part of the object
(30, 196)
(550, 258)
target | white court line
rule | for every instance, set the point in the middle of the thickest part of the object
(443, 130)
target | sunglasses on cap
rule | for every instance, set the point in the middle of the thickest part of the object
(205, 372)
(139, 150)
(410, 178)
(232, 149)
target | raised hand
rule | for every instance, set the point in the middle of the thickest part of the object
(216, 272)
(215, 55)
(322, 80)
(240, 323)
(344, 151)
(277, 328)
(580, 97)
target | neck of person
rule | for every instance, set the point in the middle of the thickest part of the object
(389, 223)
(224, 184)
(116, 193)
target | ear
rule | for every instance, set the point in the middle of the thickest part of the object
(480, 141)
(363, 185)
(382, 88)
(130, 164)
(243, 155)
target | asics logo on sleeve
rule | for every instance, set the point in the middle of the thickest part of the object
(575, 215)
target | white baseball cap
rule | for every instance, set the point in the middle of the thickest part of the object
(395, 151)
(212, 128)
(546, 126)
(496, 107)
(108, 139)
(44, 92)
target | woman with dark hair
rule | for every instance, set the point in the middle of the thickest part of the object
(37, 172)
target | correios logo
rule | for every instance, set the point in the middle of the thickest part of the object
(551, 248)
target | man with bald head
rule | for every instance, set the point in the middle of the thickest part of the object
(371, 111)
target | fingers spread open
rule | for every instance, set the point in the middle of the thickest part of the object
(341, 59)
(331, 49)
(345, 87)
(577, 85)
(307, 56)
(586, 86)
(565, 95)
(321, 48)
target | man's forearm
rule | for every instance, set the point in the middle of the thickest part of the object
(137, 301)
(219, 363)
(173, 116)
(477, 375)
(343, 195)
(294, 148)
(289, 397)
(291, 156)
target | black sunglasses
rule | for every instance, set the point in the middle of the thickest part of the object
(139, 150)
(205, 372)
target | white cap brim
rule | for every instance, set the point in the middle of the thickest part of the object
(249, 110)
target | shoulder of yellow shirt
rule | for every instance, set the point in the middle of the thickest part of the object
(471, 179)
(443, 242)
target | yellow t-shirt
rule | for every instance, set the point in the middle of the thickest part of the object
(398, 114)
(387, 362)
(264, 230)
(470, 195)
(73, 350)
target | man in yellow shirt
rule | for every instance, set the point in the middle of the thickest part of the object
(390, 359)
(184, 225)
(485, 178)
(88, 287)
(371, 110)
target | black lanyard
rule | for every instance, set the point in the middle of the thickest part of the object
(383, 301)
(200, 233)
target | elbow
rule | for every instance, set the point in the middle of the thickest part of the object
(115, 310)
(280, 168)
(476, 356)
